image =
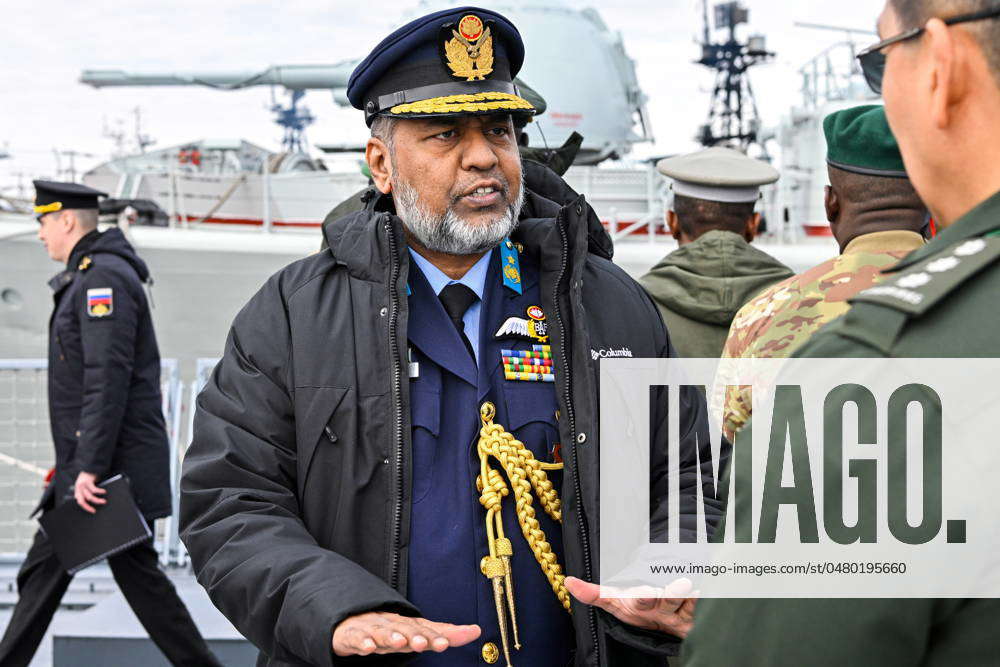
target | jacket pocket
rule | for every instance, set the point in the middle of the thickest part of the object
(531, 417)
(317, 424)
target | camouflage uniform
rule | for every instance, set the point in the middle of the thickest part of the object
(785, 315)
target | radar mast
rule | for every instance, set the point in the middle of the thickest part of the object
(733, 119)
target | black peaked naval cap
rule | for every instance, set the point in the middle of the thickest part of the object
(52, 196)
(455, 62)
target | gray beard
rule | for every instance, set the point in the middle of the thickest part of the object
(448, 233)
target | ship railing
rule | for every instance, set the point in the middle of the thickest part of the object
(621, 196)
(629, 201)
(27, 453)
(833, 75)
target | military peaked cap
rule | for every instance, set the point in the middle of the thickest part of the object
(718, 174)
(454, 62)
(52, 196)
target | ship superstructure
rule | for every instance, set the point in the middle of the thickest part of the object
(829, 81)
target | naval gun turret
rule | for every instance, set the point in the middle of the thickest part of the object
(573, 60)
(295, 79)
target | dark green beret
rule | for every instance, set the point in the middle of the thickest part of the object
(859, 140)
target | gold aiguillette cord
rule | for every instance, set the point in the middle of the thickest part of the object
(526, 473)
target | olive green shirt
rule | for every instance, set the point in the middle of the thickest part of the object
(941, 300)
(699, 287)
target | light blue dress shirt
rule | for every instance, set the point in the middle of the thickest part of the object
(474, 279)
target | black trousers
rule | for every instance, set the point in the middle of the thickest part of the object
(42, 581)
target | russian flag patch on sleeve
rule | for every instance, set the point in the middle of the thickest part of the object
(100, 302)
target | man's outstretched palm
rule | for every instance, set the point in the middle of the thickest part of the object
(383, 632)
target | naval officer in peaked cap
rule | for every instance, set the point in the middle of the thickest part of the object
(398, 451)
(106, 419)
(699, 287)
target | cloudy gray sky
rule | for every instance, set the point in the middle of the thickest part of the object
(46, 43)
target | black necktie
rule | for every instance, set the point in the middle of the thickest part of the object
(456, 299)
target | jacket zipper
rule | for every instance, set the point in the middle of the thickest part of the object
(397, 394)
(571, 417)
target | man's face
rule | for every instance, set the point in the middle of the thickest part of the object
(54, 232)
(456, 182)
(905, 95)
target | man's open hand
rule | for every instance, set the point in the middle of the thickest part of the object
(382, 632)
(673, 615)
(87, 493)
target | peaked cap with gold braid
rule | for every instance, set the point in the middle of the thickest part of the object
(52, 196)
(455, 62)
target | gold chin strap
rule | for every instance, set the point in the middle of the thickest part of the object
(525, 473)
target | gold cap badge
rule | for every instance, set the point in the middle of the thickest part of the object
(469, 52)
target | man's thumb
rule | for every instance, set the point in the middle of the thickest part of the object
(585, 592)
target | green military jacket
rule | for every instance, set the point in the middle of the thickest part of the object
(941, 300)
(699, 287)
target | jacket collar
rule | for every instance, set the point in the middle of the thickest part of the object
(895, 240)
(359, 243)
(61, 280)
(983, 219)
(81, 248)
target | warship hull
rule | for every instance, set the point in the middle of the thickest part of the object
(204, 276)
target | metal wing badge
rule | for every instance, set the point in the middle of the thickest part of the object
(484, 63)
(514, 326)
(458, 58)
(533, 329)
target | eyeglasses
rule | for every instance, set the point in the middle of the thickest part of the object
(872, 59)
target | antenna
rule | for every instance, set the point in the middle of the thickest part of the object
(835, 28)
(117, 136)
(294, 119)
(70, 170)
(19, 175)
(141, 140)
(706, 35)
(733, 118)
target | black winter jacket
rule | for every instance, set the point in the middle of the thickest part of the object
(105, 407)
(296, 488)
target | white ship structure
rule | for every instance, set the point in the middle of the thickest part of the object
(235, 213)
(230, 182)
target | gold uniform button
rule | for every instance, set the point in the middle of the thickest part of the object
(490, 652)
